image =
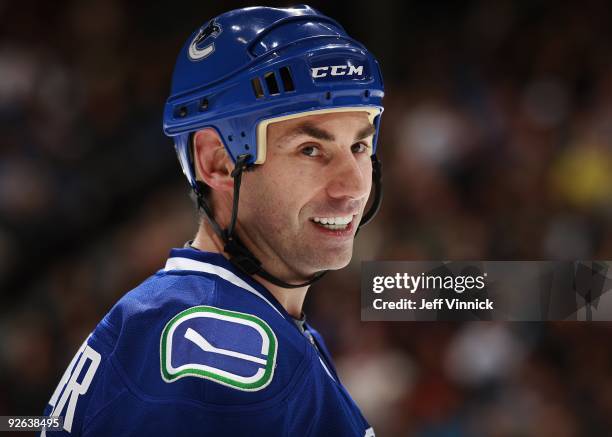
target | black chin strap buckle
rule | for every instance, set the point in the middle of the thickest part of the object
(241, 256)
(241, 165)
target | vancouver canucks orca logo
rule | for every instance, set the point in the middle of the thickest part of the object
(196, 51)
(228, 347)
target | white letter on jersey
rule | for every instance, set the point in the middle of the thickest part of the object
(72, 389)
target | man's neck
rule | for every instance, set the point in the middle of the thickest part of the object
(292, 299)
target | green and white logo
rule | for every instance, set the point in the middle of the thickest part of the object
(239, 350)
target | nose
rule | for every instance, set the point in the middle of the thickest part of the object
(350, 177)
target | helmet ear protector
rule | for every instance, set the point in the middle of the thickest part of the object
(251, 67)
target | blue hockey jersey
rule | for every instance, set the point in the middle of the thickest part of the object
(202, 349)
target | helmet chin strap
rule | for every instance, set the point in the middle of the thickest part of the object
(242, 257)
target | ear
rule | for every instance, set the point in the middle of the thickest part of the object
(212, 163)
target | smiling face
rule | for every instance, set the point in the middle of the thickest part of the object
(300, 210)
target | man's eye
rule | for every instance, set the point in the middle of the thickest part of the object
(359, 148)
(311, 151)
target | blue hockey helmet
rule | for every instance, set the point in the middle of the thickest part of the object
(250, 67)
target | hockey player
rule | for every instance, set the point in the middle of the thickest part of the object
(274, 114)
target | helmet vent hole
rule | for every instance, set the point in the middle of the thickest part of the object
(257, 88)
(285, 75)
(366, 94)
(328, 95)
(230, 137)
(203, 104)
(271, 83)
(242, 134)
(246, 147)
(181, 112)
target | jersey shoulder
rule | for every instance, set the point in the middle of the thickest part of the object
(203, 338)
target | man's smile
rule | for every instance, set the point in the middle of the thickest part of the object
(334, 223)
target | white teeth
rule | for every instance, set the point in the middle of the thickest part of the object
(343, 220)
(334, 222)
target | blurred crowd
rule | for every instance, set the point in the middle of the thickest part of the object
(496, 145)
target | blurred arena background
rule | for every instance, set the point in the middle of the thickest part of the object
(496, 144)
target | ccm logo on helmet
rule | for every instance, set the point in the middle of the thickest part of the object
(336, 70)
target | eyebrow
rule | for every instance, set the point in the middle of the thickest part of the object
(365, 132)
(310, 129)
